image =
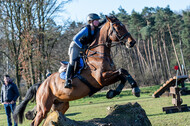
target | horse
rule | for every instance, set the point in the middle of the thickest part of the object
(99, 72)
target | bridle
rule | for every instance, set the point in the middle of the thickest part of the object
(120, 39)
(109, 41)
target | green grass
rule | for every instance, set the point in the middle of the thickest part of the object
(96, 107)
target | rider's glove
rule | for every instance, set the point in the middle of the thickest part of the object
(84, 48)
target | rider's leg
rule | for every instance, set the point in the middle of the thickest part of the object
(73, 52)
(69, 73)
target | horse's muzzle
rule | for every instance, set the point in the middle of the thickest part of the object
(130, 44)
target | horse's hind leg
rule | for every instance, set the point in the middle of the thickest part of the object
(42, 110)
(30, 115)
(41, 114)
(61, 107)
(38, 119)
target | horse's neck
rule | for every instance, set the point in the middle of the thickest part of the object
(102, 51)
(101, 41)
(102, 48)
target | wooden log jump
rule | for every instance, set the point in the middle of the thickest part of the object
(176, 101)
(172, 84)
(168, 84)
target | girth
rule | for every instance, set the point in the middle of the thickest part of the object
(92, 89)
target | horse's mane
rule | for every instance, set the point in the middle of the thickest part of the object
(114, 19)
(103, 32)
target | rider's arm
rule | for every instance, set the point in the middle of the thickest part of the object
(79, 35)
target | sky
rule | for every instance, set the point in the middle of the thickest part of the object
(77, 10)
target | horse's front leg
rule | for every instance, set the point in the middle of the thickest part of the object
(110, 77)
(132, 82)
(122, 75)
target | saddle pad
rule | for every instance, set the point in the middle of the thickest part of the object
(81, 65)
(63, 75)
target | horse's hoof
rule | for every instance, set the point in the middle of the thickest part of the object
(30, 115)
(136, 91)
(111, 93)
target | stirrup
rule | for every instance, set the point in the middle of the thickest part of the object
(68, 84)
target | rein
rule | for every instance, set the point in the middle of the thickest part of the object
(108, 43)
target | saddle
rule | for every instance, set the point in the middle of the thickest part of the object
(80, 64)
(78, 67)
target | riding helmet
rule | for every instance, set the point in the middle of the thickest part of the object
(92, 17)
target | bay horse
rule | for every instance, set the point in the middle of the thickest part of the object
(100, 72)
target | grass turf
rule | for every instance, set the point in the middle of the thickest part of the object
(96, 107)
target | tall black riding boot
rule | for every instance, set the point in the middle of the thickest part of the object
(69, 73)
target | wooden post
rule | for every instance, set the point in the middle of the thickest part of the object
(176, 100)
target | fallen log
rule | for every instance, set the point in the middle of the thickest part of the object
(130, 114)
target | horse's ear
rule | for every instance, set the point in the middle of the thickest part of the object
(108, 18)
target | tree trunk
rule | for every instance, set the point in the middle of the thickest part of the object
(162, 63)
(137, 58)
(166, 56)
(18, 80)
(145, 50)
(160, 60)
(184, 66)
(154, 58)
(174, 49)
(150, 62)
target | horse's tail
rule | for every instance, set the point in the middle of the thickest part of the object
(19, 110)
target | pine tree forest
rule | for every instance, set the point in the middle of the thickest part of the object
(31, 43)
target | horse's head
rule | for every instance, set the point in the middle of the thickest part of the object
(119, 33)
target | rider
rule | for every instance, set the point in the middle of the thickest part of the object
(80, 43)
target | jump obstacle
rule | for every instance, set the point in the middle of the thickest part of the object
(175, 91)
(169, 83)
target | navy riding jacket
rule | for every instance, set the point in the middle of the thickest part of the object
(86, 34)
(9, 92)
